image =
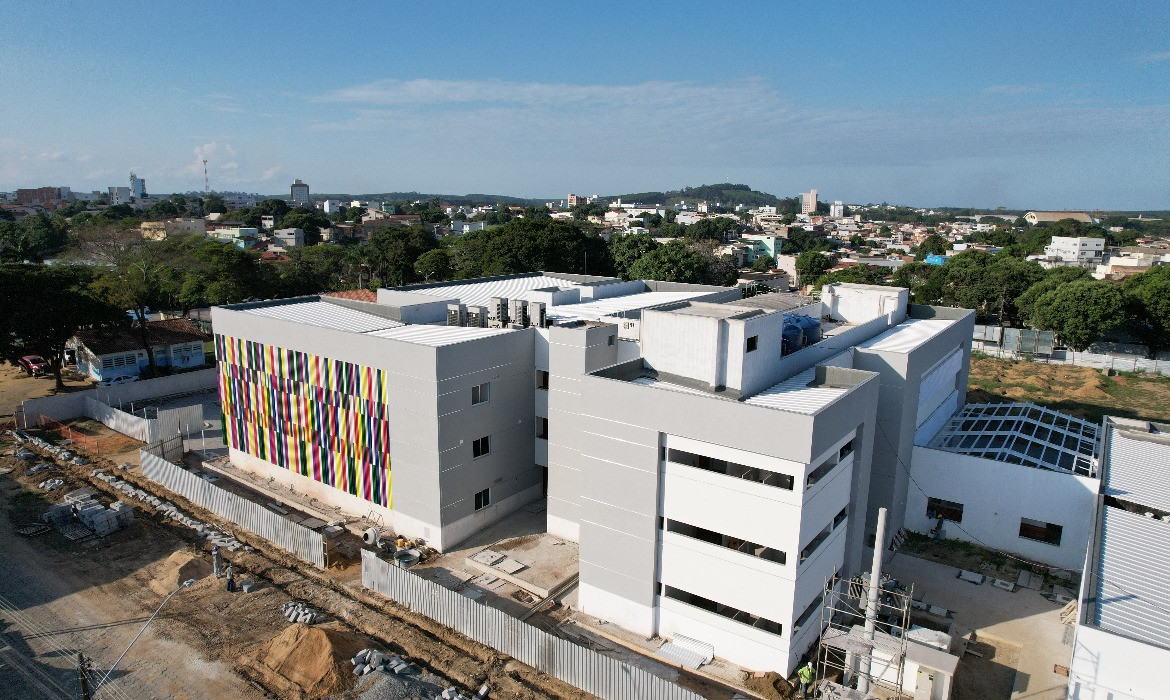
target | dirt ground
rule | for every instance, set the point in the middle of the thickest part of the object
(231, 637)
(989, 675)
(1081, 391)
(16, 386)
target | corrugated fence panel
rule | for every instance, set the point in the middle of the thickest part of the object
(253, 517)
(583, 668)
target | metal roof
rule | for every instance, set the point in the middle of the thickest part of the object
(481, 293)
(1139, 469)
(908, 335)
(794, 394)
(594, 310)
(325, 315)
(1133, 567)
(437, 336)
(1022, 433)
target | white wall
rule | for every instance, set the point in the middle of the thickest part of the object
(995, 495)
(860, 303)
(1106, 666)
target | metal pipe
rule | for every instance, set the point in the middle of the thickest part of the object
(871, 608)
(186, 584)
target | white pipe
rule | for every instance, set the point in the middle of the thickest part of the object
(871, 608)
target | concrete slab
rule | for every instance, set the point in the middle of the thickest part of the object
(1023, 617)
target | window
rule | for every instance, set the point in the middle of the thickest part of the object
(483, 499)
(710, 536)
(542, 427)
(481, 393)
(611, 339)
(1039, 531)
(947, 510)
(752, 343)
(541, 379)
(480, 447)
(727, 611)
(740, 471)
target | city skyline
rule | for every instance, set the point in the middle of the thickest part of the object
(995, 105)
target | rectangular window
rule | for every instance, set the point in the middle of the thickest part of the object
(710, 536)
(480, 447)
(107, 362)
(611, 340)
(483, 499)
(481, 393)
(542, 427)
(739, 471)
(947, 510)
(541, 379)
(752, 343)
(1040, 531)
(722, 610)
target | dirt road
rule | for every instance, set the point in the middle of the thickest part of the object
(16, 386)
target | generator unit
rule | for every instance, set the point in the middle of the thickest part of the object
(477, 316)
(456, 315)
(497, 314)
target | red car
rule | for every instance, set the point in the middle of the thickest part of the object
(35, 365)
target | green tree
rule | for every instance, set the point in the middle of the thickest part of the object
(810, 265)
(393, 252)
(433, 265)
(629, 249)
(1147, 304)
(933, 245)
(855, 274)
(523, 245)
(214, 204)
(311, 221)
(1026, 301)
(673, 262)
(43, 306)
(1080, 312)
(764, 263)
(925, 282)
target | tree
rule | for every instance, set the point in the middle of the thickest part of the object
(311, 221)
(810, 265)
(933, 245)
(433, 265)
(1080, 312)
(523, 245)
(1147, 303)
(43, 306)
(855, 274)
(925, 282)
(214, 204)
(1026, 301)
(673, 262)
(764, 263)
(669, 229)
(393, 252)
(629, 249)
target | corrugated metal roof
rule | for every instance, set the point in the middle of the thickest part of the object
(794, 394)
(437, 336)
(1139, 470)
(325, 315)
(908, 335)
(480, 293)
(594, 310)
(1133, 571)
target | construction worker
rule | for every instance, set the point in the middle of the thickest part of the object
(231, 580)
(806, 674)
(217, 561)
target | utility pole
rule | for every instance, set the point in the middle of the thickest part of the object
(206, 188)
(83, 676)
(871, 608)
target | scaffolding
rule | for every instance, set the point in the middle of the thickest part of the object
(846, 656)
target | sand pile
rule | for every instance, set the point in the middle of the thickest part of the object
(771, 685)
(176, 569)
(310, 662)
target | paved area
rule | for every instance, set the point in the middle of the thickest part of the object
(1022, 618)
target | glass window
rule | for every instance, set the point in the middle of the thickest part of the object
(947, 510)
(752, 343)
(1040, 531)
(480, 447)
(480, 393)
(541, 379)
(483, 499)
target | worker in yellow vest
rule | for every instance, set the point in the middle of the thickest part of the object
(806, 675)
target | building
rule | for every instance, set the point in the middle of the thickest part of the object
(119, 195)
(43, 196)
(299, 194)
(1077, 251)
(576, 199)
(332, 206)
(1122, 636)
(1049, 217)
(289, 237)
(239, 236)
(113, 353)
(137, 187)
(837, 209)
(458, 228)
(808, 202)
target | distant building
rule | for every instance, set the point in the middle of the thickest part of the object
(808, 202)
(836, 209)
(1073, 250)
(290, 237)
(332, 206)
(1048, 217)
(458, 228)
(267, 222)
(575, 199)
(107, 354)
(119, 195)
(137, 187)
(241, 236)
(300, 194)
(43, 196)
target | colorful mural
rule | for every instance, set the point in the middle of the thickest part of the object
(321, 418)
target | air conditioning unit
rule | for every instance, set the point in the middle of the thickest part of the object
(518, 313)
(497, 312)
(456, 315)
(536, 314)
(477, 316)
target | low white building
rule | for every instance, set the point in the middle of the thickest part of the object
(289, 237)
(1074, 250)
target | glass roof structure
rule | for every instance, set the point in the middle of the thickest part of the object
(1022, 433)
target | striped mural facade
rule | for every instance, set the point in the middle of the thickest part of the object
(324, 419)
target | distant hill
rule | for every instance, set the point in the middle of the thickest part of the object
(726, 193)
(445, 198)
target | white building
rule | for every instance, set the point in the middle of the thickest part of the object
(137, 187)
(1072, 250)
(299, 194)
(836, 209)
(808, 202)
(119, 195)
(1122, 643)
(332, 206)
(289, 237)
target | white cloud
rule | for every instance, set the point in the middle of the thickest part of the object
(1156, 57)
(270, 173)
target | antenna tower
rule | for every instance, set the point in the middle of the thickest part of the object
(206, 188)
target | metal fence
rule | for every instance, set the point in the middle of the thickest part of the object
(169, 448)
(573, 664)
(253, 517)
(95, 444)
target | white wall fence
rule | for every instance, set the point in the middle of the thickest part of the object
(583, 668)
(63, 407)
(1119, 363)
(253, 517)
(172, 421)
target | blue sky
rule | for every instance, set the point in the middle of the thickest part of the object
(1021, 104)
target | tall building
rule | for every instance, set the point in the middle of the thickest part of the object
(836, 209)
(575, 199)
(714, 468)
(137, 187)
(300, 194)
(808, 202)
(119, 195)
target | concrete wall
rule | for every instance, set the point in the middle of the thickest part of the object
(62, 407)
(995, 495)
(1107, 666)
